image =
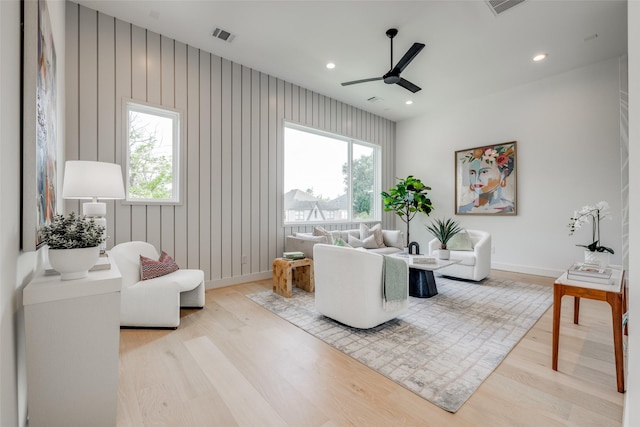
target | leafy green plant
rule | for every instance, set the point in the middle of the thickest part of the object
(406, 199)
(72, 232)
(444, 230)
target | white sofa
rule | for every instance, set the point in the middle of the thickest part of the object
(154, 302)
(475, 263)
(349, 286)
(304, 242)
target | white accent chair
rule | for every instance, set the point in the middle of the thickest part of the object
(348, 286)
(155, 302)
(474, 264)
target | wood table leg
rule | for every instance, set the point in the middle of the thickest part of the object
(576, 309)
(615, 300)
(557, 301)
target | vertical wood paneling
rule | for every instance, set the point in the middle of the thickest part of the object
(154, 96)
(167, 213)
(180, 90)
(216, 167)
(232, 141)
(122, 68)
(205, 159)
(236, 169)
(138, 92)
(225, 167)
(193, 157)
(246, 190)
(107, 108)
(72, 138)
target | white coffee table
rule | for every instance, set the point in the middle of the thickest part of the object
(422, 282)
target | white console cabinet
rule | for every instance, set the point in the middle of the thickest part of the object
(72, 343)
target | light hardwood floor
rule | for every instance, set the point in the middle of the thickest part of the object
(234, 363)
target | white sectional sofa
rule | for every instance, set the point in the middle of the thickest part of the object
(304, 242)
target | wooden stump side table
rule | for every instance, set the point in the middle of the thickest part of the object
(287, 272)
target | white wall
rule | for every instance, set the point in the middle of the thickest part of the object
(16, 266)
(632, 410)
(567, 133)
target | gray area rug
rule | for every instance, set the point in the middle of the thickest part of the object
(443, 347)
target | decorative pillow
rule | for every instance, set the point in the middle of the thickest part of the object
(339, 242)
(460, 242)
(368, 243)
(393, 238)
(150, 269)
(319, 231)
(307, 236)
(376, 231)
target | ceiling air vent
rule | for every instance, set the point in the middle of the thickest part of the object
(374, 99)
(499, 6)
(223, 35)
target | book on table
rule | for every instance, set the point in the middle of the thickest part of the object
(589, 273)
(293, 255)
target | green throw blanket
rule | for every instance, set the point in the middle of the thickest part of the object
(395, 277)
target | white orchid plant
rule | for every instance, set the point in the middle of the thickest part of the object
(593, 214)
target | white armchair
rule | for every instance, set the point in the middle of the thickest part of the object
(154, 302)
(474, 264)
(349, 286)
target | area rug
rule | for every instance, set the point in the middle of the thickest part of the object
(443, 347)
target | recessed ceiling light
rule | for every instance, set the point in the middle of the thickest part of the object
(539, 57)
(409, 102)
(331, 65)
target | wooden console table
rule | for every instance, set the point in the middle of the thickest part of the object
(284, 275)
(614, 293)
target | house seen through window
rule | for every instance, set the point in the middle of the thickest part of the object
(152, 145)
(329, 178)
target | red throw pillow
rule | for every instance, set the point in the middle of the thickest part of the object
(150, 269)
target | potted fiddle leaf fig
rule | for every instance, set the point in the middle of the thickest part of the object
(444, 230)
(74, 244)
(406, 199)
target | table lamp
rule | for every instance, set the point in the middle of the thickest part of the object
(93, 181)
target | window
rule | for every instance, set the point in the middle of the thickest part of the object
(152, 146)
(329, 178)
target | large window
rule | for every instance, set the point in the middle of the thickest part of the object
(152, 146)
(329, 178)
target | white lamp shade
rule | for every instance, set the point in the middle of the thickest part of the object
(92, 180)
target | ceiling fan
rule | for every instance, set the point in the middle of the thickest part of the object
(393, 75)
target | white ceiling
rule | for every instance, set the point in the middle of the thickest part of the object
(469, 51)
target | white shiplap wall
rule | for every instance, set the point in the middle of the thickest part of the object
(233, 119)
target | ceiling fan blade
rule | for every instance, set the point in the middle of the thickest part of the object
(408, 57)
(373, 79)
(408, 85)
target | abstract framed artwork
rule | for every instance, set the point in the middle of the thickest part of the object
(39, 124)
(486, 180)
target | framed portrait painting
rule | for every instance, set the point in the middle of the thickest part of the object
(39, 124)
(486, 180)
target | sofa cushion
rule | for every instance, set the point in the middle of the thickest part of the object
(320, 231)
(465, 257)
(368, 243)
(386, 250)
(150, 269)
(393, 238)
(460, 242)
(376, 231)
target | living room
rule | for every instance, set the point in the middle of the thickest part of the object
(567, 126)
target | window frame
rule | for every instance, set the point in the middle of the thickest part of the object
(177, 158)
(377, 187)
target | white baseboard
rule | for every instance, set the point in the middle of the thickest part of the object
(525, 269)
(228, 281)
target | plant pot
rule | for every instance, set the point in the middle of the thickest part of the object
(73, 263)
(601, 259)
(444, 254)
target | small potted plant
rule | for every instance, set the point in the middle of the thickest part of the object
(594, 252)
(444, 230)
(406, 199)
(74, 244)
